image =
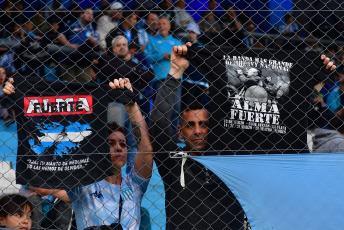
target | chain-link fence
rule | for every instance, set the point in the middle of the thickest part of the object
(86, 154)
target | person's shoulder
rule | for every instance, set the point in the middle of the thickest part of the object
(131, 64)
(114, 62)
(142, 30)
(134, 30)
(198, 44)
(75, 193)
(175, 40)
(282, 27)
(74, 24)
(116, 31)
(78, 190)
(134, 60)
(134, 177)
(179, 42)
(176, 8)
(105, 59)
(103, 19)
(154, 39)
(72, 28)
(90, 26)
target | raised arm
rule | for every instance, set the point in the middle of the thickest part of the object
(144, 158)
(160, 118)
(178, 62)
(58, 193)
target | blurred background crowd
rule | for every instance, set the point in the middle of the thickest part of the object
(73, 40)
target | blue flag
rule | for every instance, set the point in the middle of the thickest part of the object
(284, 192)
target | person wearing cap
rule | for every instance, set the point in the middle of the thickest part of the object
(193, 32)
(195, 84)
(109, 21)
(182, 18)
(210, 26)
(158, 51)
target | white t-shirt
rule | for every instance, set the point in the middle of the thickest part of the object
(104, 26)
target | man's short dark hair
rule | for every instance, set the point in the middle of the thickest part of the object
(81, 10)
(287, 16)
(151, 12)
(128, 14)
(193, 106)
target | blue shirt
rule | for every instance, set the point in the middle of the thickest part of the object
(331, 94)
(155, 50)
(98, 203)
(79, 34)
(6, 61)
(143, 36)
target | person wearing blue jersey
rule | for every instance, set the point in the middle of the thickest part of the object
(195, 84)
(79, 32)
(80, 36)
(158, 51)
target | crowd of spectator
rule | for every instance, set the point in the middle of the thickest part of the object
(150, 28)
(115, 42)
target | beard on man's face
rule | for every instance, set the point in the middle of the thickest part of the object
(122, 55)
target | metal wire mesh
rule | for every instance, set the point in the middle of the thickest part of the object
(64, 42)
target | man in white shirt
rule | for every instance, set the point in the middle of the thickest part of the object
(182, 18)
(109, 21)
